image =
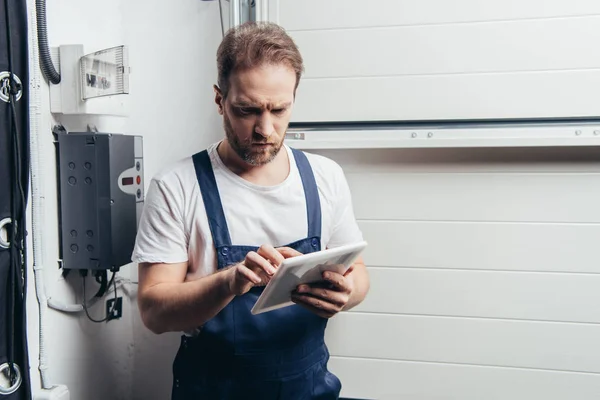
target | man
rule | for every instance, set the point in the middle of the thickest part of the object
(216, 226)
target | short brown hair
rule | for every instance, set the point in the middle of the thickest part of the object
(253, 44)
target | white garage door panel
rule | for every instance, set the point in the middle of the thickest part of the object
(477, 197)
(489, 294)
(399, 380)
(331, 14)
(452, 49)
(394, 60)
(449, 97)
(543, 345)
(484, 246)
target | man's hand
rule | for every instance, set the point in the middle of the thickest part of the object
(288, 252)
(256, 270)
(327, 298)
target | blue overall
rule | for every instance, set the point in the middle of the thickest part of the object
(276, 355)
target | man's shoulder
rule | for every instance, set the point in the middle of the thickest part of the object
(324, 167)
(178, 173)
(181, 170)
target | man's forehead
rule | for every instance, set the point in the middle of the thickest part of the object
(241, 99)
(267, 84)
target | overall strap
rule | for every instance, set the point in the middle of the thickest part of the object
(212, 200)
(311, 192)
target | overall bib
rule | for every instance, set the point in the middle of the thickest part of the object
(276, 355)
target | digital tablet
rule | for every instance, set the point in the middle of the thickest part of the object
(307, 268)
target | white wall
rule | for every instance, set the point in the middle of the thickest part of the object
(172, 55)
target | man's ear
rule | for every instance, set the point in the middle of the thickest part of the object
(219, 100)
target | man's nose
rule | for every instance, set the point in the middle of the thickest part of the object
(264, 125)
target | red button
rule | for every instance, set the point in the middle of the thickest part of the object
(138, 180)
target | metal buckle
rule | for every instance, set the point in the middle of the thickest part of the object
(6, 90)
(4, 243)
(17, 383)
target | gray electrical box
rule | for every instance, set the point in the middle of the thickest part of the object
(101, 195)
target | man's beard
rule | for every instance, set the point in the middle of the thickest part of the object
(247, 151)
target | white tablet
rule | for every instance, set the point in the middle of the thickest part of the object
(307, 268)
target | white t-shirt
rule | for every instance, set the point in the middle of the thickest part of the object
(174, 227)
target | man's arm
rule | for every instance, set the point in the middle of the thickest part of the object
(360, 282)
(168, 303)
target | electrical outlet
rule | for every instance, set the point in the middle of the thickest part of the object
(117, 310)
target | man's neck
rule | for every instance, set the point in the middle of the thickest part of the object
(270, 174)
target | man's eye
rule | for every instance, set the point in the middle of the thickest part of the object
(279, 111)
(244, 111)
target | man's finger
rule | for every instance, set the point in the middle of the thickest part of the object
(242, 279)
(331, 296)
(337, 280)
(321, 304)
(248, 274)
(322, 309)
(288, 252)
(269, 253)
(257, 263)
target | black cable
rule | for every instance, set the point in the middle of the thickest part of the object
(11, 271)
(46, 64)
(112, 280)
(17, 155)
(85, 308)
(11, 238)
(101, 278)
(98, 321)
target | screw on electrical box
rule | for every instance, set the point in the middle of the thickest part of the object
(596, 133)
(414, 135)
(430, 134)
(578, 133)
